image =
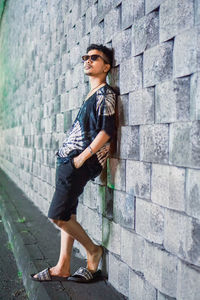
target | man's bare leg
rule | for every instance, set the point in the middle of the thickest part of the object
(63, 265)
(94, 252)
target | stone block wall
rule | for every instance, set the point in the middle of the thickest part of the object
(145, 208)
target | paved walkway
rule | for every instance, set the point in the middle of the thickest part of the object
(35, 243)
(11, 285)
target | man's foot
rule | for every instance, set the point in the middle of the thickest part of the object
(45, 275)
(54, 271)
(94, 259)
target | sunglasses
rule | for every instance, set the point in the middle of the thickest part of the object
(93, 57)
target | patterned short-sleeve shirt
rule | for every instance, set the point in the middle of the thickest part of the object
(96, 113)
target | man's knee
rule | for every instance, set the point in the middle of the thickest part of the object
(59, 223)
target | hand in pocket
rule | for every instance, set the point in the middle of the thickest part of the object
(77, 162)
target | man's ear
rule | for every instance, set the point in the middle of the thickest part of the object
(107, 68)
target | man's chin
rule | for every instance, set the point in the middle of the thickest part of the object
(88, 72)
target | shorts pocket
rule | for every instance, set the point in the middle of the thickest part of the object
(72, 163)
(73, 166)
(65, 171)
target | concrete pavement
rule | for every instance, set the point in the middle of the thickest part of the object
(11, 285)
(35, 242)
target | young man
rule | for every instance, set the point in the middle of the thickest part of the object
(82, 157)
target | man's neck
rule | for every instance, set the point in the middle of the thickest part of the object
(94, 82)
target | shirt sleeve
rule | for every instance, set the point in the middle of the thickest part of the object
(106, 114)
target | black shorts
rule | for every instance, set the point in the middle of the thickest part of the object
(70, 183)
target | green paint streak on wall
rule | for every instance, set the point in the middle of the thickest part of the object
(111, 186)
(106, 224)
(105, 232)
(101, 191)
(105, 221)
(10, 70)
(2, 4)
(109, 177)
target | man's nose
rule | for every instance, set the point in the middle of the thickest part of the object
(88, 63)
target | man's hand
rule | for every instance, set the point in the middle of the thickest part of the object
(78, 161)
(101, 138)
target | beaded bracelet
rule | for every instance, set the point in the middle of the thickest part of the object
(90, 150)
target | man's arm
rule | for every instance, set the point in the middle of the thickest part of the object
(101, 138)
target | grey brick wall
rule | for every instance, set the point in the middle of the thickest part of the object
(145, 208)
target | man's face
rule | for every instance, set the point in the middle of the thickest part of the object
(97, 67)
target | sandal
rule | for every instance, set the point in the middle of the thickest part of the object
(46, 276)
(83, 275)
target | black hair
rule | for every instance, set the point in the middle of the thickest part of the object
(106, 51)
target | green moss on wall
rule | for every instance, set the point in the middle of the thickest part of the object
(2, 4)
